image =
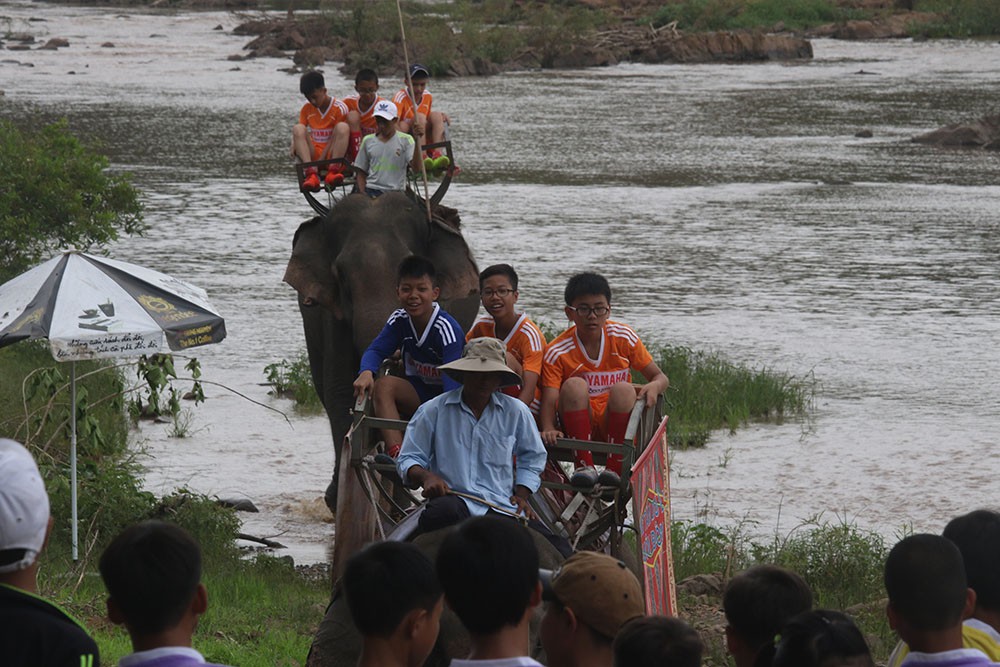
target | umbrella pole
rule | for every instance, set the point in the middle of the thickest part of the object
(72, 453)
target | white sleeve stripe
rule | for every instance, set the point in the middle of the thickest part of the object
(395, 316)
(445, 331)
(623, 332)
(534, 337)
(556, 351)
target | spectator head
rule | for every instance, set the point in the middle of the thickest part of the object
(977, 536)
(415, 267)
(310, 82)
(586, 284)
(822, 638)
(757, 603)
(393, 592)
(488, 568)
(152, 571)
(589, 598)
(505, 270)
(926, 583)
(654, 641)
(24, 511)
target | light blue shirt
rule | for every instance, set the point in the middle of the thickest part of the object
(476, 456)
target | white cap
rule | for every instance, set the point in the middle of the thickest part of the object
(24, 504)
(385, 109)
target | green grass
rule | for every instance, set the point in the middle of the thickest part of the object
(261, 611)
(701, 15)
(293, 379)
(709, 392)
(841, 562)
(960, 18)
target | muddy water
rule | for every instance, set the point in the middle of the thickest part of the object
(731, 207)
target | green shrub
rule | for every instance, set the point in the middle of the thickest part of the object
(960, 18)
(293, 379)
(700, 15)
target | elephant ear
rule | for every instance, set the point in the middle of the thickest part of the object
(310, 268)
(458, 276)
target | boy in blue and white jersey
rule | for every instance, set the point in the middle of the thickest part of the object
(426, 335)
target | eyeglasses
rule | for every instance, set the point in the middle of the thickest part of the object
(502, 292)
(587, 311)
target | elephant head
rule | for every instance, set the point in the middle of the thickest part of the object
(344, 266)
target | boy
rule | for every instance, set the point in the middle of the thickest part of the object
(654, 641)
(488, 569)
(585, 374)
(395, 602)
(588, 600)
(757, 603)
(363, 103)
(33, 631)
(426, 125)
(524, 340)
(928, 598)
(384, 156)
(322, 133)
(427, 336)
(153, 575)
(977, 536)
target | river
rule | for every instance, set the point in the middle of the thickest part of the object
(731, 207)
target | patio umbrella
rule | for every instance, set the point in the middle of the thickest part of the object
(92, 307)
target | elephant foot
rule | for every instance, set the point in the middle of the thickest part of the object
(330, 497)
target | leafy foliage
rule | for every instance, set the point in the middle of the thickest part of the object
(293, 379)
(56, 192)
(694, 15)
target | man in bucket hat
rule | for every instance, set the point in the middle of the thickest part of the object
(33, 631)
(589, 598)
(465, 442)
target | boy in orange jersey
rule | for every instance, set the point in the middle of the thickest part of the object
(586, 377)
(426, 126)
(523, 339)
(322, 133)
(363, 103)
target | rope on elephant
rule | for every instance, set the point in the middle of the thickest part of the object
(371, 496)
(413, 103)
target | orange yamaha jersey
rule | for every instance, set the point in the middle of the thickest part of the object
(321, 123)
(621, 350)
(405, 107)
(368, 124)
(525, 342)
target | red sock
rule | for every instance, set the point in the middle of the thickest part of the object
(353, 146)
(577, 425)
(617, 424)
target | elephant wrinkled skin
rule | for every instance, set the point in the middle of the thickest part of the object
(344, 266)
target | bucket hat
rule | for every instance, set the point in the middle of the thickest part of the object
(482, 355)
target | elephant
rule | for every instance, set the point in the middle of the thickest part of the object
(343, 267)
(338, 642)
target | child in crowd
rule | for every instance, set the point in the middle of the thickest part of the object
(588, 600)
(395, 602)
(977, 536)
(322, 133)
(33, 631)
(822, 638)
(415, 115)
(363, 103)
(928, 598)
(657, 641)
(757, 603)
(488, 568)
(153, 575)
(524, 340)
(384, 156)
(586, 377)
(427, 337)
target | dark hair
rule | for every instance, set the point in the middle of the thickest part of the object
(822, 638)
(311, 81)
(925, 580)
(488, 568)
(654, 641)
(977, 536)
(499, 270)
(152, 571)
(416, 266)
(366, 74)
(759, 601)
(585, 284)
(386, 581)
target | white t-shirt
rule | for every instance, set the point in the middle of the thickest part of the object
(385, 162)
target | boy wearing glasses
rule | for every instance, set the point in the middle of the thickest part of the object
(586, 378)
(523, 339)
